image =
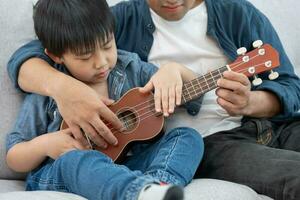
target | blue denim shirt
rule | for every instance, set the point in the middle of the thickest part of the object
(40, 115)
(231, 23)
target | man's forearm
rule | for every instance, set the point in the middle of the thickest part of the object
(37, 76)
(263, 104)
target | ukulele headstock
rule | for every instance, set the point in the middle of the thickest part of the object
(263, 58)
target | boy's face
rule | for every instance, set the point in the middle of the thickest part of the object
(172, 10)
(92, 67)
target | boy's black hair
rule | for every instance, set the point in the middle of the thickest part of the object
(75, 25)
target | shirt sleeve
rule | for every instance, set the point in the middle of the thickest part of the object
(287, 86)
(29, 50)
(32, 120)
(145, 70)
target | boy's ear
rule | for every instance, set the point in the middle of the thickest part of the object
(55, 58)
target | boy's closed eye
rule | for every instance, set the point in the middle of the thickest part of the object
(107, 45)
(84, 57)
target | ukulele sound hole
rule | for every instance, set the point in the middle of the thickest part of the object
(129, 119)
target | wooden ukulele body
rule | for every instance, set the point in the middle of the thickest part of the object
(136, 111)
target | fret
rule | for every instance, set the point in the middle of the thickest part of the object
(187, 91)
(183, 97)
(199, 84)
(194, 88)
(202, 84)
(211, 82)
(212, 77)
(206, 82)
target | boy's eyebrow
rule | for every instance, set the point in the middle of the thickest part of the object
(84, 53)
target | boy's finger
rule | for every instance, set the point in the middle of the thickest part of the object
(79, 146)
(171, 100)
(147, 88)
(165, 101)
(178, 94)
(157, 99)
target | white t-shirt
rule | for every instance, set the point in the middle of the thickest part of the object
(185, 41)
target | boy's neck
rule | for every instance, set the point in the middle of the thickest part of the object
(100, 88)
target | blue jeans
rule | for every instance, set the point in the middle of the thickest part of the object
(172, 159)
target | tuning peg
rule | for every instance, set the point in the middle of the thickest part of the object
(273, 75)
(256, 81)
(257, 44)
(241, 51)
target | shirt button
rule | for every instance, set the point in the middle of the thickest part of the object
(150, 26)
(145, 48)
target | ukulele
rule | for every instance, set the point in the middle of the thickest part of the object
(137, 111)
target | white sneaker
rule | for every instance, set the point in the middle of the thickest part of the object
(161, 192)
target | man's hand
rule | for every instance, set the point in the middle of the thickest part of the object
(82, 108)
(235, 96)
(234, 93)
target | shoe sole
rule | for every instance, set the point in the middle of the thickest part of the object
(174, 193)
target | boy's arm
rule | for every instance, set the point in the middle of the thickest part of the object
(29, 143)
(30, 70)
(26, 156)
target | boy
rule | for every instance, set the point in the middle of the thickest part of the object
(202, 34)
(78, 37)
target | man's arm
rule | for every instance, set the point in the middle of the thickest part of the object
(280, 97)
(29, 68)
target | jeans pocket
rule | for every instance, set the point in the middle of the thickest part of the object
(265, 133)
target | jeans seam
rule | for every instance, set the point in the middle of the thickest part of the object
(167, 158)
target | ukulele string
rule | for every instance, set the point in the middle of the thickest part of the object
(237, 64)
(152, 104)
(142, 117)
(187, 88)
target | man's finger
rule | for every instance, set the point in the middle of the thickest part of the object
(76, 132)
(92, 134)
(110, 117)
(107, 101)
(104, 131)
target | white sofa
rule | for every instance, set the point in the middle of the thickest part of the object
(16, 29)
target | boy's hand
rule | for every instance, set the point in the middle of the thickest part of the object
(60, 142)
(81, 108)
(167, 82)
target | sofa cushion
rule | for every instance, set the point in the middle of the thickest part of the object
(40, 195)
(11, 186)
(208, 189)
(16, 29)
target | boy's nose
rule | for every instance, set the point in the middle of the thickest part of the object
(99, 66)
